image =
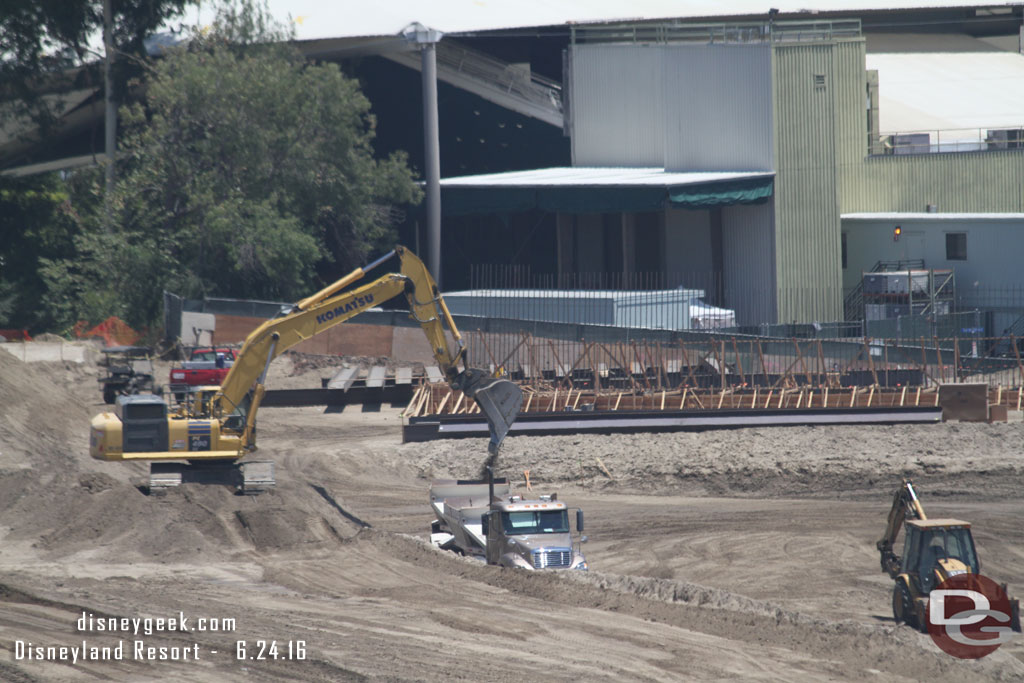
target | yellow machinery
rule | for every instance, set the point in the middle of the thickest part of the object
(217, 426)
(933, 551)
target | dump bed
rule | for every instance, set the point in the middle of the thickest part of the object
(459, 504)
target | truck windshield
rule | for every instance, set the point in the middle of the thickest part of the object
(536, 522)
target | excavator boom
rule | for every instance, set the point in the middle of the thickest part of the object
(499, 399)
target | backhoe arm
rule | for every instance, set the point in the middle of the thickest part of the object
(904, 504)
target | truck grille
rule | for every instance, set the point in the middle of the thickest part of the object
(550, 558)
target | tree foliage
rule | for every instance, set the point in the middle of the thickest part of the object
(243, 170)
(41, 40)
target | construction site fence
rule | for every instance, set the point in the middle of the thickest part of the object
(551, 356)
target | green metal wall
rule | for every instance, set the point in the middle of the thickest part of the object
(989, 182)
(816, 111)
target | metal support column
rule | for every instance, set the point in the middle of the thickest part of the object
(426, 40)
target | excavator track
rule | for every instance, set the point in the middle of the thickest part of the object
(249, 478)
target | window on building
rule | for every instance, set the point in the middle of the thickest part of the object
(956, 246)
(842, 243)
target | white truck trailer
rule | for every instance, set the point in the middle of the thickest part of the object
(482, 519)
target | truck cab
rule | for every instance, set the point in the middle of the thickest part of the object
(532, 534)
(482, 519)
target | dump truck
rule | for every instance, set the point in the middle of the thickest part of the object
(481, 519)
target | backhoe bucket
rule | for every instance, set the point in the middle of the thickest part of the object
(499, 399)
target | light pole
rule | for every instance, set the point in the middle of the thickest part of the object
(426, 41)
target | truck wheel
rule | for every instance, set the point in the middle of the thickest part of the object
(109, 394)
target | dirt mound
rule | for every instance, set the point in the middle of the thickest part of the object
(762, 461)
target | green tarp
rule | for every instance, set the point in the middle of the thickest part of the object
(726, 193)
(458, 201)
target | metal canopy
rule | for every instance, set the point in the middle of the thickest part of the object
(602, 190)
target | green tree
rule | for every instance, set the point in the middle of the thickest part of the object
(34, 226)
(44, 46)
(245, 168)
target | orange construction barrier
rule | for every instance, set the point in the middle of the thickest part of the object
(113, 331)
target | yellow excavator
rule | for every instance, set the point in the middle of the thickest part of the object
(205, 438)
(933, 551)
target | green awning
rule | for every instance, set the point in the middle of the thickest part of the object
(727, 193)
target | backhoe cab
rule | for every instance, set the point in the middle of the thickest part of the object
(216, 428)
(933, 551)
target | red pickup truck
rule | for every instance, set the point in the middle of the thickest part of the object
(206, 365)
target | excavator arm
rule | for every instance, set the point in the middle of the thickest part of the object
(499, 400)
(904, 504)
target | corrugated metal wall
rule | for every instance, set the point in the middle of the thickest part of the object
(812, 82)
(749, 276)
(616, 105)
(954, 182)
(718, 107)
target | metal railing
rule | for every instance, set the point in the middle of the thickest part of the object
(941, 141)
(744, 32)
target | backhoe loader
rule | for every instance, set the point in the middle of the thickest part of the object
(216, 428)
(933, 551)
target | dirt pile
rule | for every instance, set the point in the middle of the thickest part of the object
(62, 502)
(763, 461)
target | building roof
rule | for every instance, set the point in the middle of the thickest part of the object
(930, 217)
(601, 190)
(318, 20)
(589, 176)
(959, 92)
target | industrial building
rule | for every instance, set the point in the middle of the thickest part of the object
(763, 153)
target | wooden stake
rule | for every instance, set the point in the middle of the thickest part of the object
(682, 403)
(663, 399)
(764, 368)
(408, 412)
(853, 395)
(917, 399)
(440, 408)
(739, 361)
(617, 399)
(529, 400)
(768, 400)
(871, 395)
(603, 468)
(458, 403)
(903, 396)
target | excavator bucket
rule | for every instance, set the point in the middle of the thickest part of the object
(499, 399)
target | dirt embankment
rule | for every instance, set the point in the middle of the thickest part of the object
(744, 553)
